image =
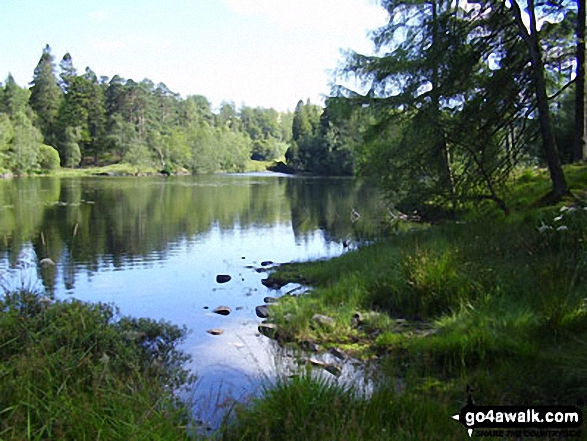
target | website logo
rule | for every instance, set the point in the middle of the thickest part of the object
(543, 421)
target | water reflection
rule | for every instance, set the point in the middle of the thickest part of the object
(153, 246)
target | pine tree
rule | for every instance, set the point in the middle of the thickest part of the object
(46, 96)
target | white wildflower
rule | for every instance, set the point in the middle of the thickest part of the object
(562, 228)
(542, 228)
(558, 218)
(564, 208)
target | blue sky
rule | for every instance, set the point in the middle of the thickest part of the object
(268, 53)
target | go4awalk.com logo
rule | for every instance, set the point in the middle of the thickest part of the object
(521, 421)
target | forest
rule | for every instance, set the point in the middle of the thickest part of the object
(454, 100)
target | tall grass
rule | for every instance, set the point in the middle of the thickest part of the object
(71, 370)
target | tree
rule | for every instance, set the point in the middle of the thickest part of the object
(71, 149)
(453, 79)
(24, 147)
(46, 95)
(68, 72)
(14, 99)
(580, 141)
(531, 38)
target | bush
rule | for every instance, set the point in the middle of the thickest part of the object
(48, 158)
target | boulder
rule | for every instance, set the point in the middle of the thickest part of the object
(262, 311)
(271, 299)
(266, 263)
(223, 278)
(222, 310)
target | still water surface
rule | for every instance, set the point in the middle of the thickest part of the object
(153, 246)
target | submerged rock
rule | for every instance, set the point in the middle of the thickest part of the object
(223, 278)
(46, 261)
(222, 310)
(271, 299)
(266, 263)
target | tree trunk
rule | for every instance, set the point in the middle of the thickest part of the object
(532, 40)
(580, 150)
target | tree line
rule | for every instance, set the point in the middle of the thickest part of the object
(71, 119)
(457, 96)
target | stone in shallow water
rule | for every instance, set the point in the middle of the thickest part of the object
(262, 311)
(215, 331)
(223, 278)
(268, 330)
(222, 310)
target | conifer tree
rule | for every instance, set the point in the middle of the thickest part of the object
(46, 96)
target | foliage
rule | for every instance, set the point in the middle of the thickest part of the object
(48, 158)
(46, 95)
(310, 407)
(72, 370)
(456, 102)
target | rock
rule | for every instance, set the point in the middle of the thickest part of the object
(268, 330)
(309, 345)
(324, 320)
(222, 310)
(271, 299)
(334, 370)
(46, 261)
(262, 311)
(223, 278)
(215, 331)
(328, 367)
(318, 363)
(272, 283)
(337, 353)
(266, 263)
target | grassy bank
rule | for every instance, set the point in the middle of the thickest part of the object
(125, 169)
(497, 304)
(76, 371)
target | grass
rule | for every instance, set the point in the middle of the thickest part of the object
(77, 371)
(495, 303)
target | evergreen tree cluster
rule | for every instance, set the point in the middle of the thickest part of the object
(73, 119)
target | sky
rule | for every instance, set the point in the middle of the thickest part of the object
(267, 53)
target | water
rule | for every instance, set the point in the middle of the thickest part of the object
(153, 246)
